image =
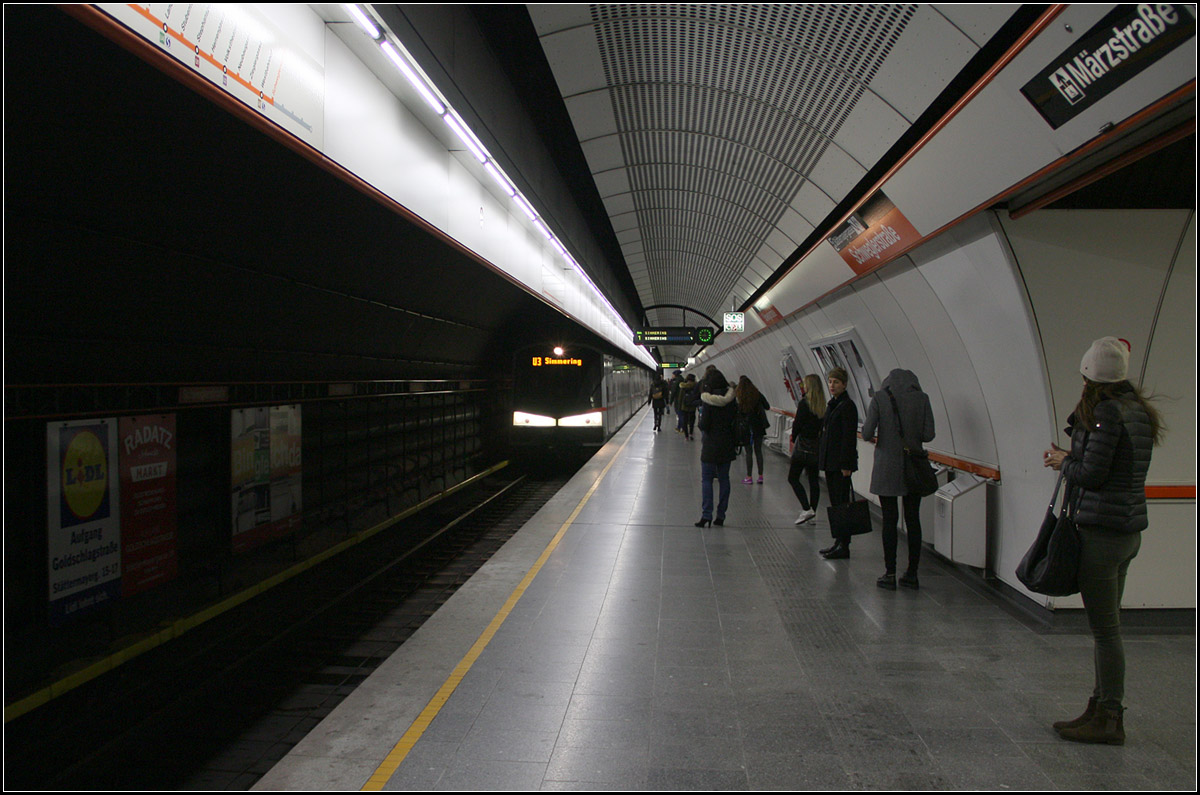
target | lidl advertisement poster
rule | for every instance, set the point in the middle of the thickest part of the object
(83, 516)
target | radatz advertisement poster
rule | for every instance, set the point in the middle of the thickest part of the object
(83, 516)
(148, 513)
(265, 473)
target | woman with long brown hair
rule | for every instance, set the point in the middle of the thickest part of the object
(806, 429)
(1113, 430)
(752, 425)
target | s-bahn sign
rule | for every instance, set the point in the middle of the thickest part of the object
(1120, 46)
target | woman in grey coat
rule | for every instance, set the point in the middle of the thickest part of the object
(887, 477)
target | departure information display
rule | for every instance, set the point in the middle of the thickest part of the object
(674, 335)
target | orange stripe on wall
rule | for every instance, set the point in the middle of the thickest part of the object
(1152, 492)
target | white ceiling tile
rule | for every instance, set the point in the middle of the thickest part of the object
(924, 60)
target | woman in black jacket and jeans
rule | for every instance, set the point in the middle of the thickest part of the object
(1113, 430)
(838, 452)
(718, 444)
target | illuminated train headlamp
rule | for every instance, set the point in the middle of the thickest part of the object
(522, 419)
(591, 419)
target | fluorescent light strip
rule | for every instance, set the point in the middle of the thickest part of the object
(417, 82)
(455, 124)
(524, 204)
(472, 143)
(501, 180)
(363, 20)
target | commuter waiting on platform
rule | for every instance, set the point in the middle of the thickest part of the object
(898, 419)
(718, 444)
(752, 424)
(673, 393)
(686, 405)
(838, 452)
(806, 429)
(1113, 430)
(658, 400)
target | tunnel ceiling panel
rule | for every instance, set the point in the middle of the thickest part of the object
(718, 123)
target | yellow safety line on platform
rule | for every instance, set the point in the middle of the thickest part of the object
(392, 761)
(178, 627)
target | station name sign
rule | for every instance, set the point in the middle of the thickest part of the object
(1124, 43)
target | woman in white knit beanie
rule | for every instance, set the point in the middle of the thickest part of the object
(1113, 430)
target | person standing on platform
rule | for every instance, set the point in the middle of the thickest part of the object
(752, 425)
(1113, 431)
(838, 452)
(900, 404)
(686, 405)
(806, 430)
(658, 400)
(718, 445)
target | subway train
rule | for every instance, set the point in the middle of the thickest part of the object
(572, 396)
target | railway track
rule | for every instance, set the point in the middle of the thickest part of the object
(216, 708)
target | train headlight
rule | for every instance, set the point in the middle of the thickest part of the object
(532, 420)
(591, 419)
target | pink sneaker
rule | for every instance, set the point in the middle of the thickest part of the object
(747, 479)
(760, 478)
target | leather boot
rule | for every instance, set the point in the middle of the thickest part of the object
(1105, 726)
(1082, 719)
(839, 551)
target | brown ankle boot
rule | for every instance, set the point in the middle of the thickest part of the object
(1082, 719)
(1106, 726)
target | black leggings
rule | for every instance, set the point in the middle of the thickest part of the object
(814, 482)
(912, 525)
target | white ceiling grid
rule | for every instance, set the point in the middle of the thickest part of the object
(719, 136)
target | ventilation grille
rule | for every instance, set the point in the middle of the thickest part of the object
(723, 111)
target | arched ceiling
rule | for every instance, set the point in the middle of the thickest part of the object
(721, 136)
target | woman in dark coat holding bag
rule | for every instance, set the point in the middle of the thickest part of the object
(1113, 430)
(838, 452)
(887, 476)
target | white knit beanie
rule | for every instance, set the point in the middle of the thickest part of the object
(1107, 361)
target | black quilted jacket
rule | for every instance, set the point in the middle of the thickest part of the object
(1108, 461)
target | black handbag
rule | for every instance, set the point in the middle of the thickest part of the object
(851, 519)
(1051, 566)
(919, 478)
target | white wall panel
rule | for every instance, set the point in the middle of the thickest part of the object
(1094, 273)
(370, 133)
(1171, 368)
(910, 79)
(897, 344)
(374, 135)
(979, 21)
(971, 270)
(1019, 141)
(870, 129)
(966, 408)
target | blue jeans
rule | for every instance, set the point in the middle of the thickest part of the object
(707, 473)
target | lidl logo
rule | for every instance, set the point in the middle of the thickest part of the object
(85, 474)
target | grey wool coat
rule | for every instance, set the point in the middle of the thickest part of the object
(887, 476)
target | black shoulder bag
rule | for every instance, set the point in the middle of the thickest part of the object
(1051, 566)
(919, 477)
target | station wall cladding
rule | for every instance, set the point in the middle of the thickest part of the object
(321, 362)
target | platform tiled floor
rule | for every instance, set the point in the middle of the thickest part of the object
(651, 654)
